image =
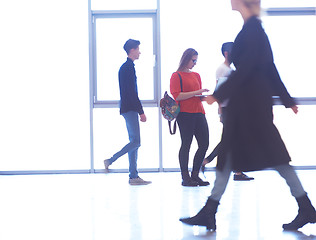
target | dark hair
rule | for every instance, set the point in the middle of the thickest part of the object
(186, 58)
(227, 47)
(131, 44)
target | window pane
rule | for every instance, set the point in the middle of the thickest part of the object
(287, 3)
(298, 133)
(44, 86)
(293, 47)
(110, 136)
(123, 4)
(294, 50)
(210, 24)
(111, 34)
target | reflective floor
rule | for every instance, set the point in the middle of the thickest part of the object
(106, 207)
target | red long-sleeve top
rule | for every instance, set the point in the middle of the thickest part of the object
(191, 81)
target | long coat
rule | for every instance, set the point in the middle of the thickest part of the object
(249, 134)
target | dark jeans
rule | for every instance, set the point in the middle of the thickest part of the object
(214, 153)
(192, 124)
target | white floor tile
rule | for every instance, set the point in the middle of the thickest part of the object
(101, 207)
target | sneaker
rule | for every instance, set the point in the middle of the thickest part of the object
(106, 165)
(242, 177)
(138, 181)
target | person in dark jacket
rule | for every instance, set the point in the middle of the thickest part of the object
(222, 73)
(250, 140)
(130, 109)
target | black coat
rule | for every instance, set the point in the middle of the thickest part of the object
(249, 133)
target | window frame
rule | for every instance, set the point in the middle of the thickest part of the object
(294, 11)
(156, 52)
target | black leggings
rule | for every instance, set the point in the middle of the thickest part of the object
(192, 124)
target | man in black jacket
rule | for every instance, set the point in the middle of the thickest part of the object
(130, 109)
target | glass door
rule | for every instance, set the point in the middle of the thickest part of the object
(111, 31)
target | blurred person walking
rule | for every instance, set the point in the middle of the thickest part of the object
(250, 140)
(222, 73)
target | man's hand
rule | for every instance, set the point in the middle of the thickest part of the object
(295, 109)
(210, 99)
(143, 117)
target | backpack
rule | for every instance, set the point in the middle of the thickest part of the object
(170, 109)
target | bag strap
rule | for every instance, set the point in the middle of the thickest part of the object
(174, 127)
(180, 81)
(175, 122)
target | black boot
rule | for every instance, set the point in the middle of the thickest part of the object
(205, 217)
(187, 181)
(306, 214)
(195, 177)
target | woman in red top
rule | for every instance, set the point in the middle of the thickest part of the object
(191, 119)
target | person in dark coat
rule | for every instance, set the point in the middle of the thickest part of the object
(250, 140)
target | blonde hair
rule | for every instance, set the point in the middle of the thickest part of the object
(254, 6)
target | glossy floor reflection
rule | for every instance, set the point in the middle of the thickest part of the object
(105, 207)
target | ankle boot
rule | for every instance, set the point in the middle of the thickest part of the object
(195, 177)
(306, 214)
(187, 181)
(205, 217)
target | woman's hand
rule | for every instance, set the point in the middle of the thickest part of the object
(210, 99)
(202, 91)
(187, 95)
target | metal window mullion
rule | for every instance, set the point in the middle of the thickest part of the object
(303, 11)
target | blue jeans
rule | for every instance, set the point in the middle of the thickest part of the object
(132, 125)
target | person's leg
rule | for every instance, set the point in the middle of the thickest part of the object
(306, 212)
(186, 126)
(201, 134)
(132, 157)
(221, 180)
(210, 158)
(206, 216)
(132, 125)
(213, 154)
(288, 173)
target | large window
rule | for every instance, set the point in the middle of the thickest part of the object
(44, 124)
(206, 25)
(109, 30)
(50, 51)
(293, 51)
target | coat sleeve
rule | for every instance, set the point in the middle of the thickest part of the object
(255, 55)
(279, 89)
(248, 60)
